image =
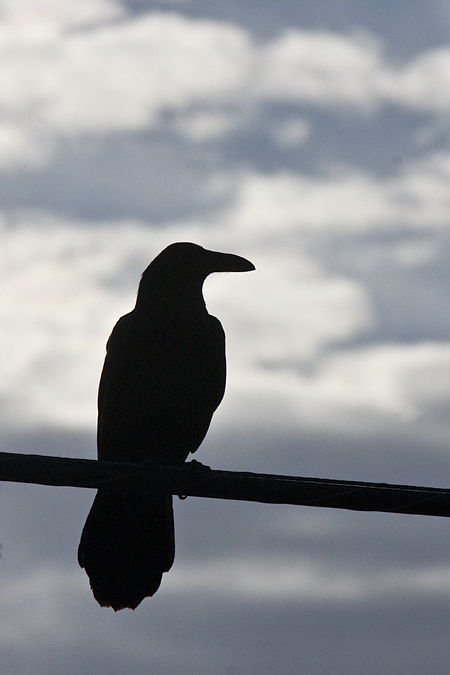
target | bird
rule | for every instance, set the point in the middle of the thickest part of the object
(163, 377)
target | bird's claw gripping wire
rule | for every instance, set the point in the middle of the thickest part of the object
(198, 473)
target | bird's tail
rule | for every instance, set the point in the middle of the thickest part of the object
(126, 545)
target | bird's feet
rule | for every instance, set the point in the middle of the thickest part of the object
(198, 473)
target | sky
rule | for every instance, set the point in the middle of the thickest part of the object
(313, 139)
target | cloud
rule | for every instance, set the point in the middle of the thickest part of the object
(289, 311)
(31, 16)
(65, 283)
(63, 286)
(321, 68)
(345, 200)
(55, 300)
(288, 202)
(356, 390)
(324, 379)
(123, 74)
(306, 581)
(292, 132)
(35, 607)
(423, 84)
(329, 69)
(113, 77)
(47, 592)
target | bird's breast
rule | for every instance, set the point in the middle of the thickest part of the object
(159, 388)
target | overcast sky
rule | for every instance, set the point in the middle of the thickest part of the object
(313, 139)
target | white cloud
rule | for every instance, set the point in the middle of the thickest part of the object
(31, 15)
(54, 314)
(285, 202)
(330, 69)
(123, 75)
(201, 125)
(423, 84)
(420, 196)
(320, 67)
(393, 378)
(21, 146)
(63, 285)
(355, 390)
(60, 79)
(113, 77)
(342, 201)
(289, 309)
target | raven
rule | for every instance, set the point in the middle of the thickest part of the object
(163, 378)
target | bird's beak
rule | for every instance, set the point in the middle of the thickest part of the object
(228, 262)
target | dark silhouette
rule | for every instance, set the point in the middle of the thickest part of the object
(163, 378)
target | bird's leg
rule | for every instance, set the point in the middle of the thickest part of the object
(198, 473)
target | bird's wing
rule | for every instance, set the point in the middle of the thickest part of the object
(159, 388)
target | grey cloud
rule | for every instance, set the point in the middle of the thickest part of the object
(405, 274)
(151, 176)
(203, 631)
(199, 623)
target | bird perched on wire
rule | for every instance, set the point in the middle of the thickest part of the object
(163, 377)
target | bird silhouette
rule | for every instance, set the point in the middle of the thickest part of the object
(163, 377)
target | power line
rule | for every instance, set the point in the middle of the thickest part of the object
(194, 479)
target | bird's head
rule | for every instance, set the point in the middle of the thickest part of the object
(185, 266)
